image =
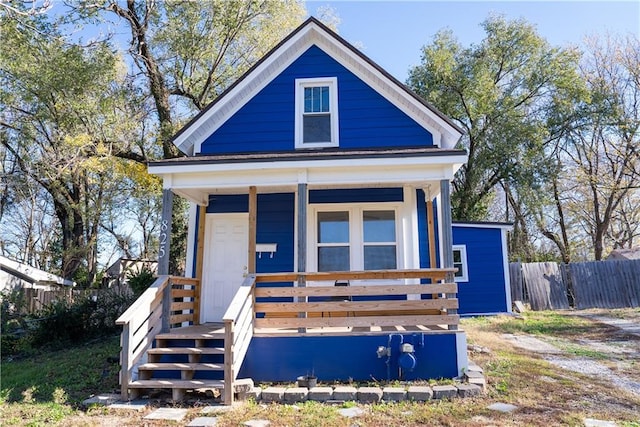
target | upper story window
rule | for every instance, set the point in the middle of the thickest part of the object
(460, 262)
(316, 113)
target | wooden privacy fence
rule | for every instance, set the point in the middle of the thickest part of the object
(35, 299)
(596, 284)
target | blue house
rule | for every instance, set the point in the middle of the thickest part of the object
(320, 235)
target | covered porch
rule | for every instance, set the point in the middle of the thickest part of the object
(239, 313)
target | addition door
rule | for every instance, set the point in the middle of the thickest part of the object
(225, 262)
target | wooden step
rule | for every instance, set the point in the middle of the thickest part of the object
(177, 384)
(190, 336)
(182, 366)
(186, 350)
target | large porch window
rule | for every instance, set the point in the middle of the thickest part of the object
(356, 238)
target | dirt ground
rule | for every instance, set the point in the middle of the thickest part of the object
(585, 368)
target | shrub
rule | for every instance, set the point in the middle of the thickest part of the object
(62, 323)
(141, 280)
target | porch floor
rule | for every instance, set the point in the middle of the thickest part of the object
(211, 329)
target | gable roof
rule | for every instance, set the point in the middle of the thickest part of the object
(313, 32)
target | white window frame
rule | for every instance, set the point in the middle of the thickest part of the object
(301, 84)
(464, 270)
(356, 231)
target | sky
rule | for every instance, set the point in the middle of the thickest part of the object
(392, 33)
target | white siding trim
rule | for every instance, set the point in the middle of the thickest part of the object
(505, 268)
(301, 84)
(465, 263)
(192, 232)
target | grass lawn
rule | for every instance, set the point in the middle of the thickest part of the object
(46, 389)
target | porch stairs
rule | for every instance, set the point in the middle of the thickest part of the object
(181, 361)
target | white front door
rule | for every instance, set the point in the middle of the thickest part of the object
(225, 262)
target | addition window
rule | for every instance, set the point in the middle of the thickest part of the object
(316, 113)
(356, 239)
(460, 262)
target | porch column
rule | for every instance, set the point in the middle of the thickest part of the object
(253, 211)
(163, 254)
(431, 229)
(202, 221)
(447, 236)
(302, 243)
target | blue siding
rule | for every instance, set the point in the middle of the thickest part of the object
(356, 195)
(266, 122)
(485, 290)
(344, 358)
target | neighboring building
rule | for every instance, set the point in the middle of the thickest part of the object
(624, 254)
(118, 273)
(480, 254)
(16, 275)
(320, 237)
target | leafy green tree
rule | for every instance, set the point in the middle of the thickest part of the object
(504, 92)
(63, 120)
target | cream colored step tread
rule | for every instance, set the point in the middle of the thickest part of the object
(182, 366)
(186, 350)
(191, 336)
(182, 384)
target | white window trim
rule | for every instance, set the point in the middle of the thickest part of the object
(463, 259)
(301, 84)
(355, 232)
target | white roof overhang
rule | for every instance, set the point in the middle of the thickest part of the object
(196, 178)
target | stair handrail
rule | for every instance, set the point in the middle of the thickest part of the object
(238, 328)
(141, 322)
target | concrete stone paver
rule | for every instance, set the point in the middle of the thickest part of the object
(394, 394)
(351, 412)
(203, 422)
(102, 399)
(420, 393)
(257, 423)
(469, 390)
(273, 394)
(170, 414)
(592, 422)
(296, 394)
(369, 394)
(444, 391)
(216, 409)
(320, 394)
(502, 407)
(345, 393)
(133, 405)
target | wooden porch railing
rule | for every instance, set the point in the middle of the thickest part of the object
(143, 320)
(326, 306)
(238, 331)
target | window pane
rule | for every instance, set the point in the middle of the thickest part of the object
(379, 257)
(333, 258)
(317, 128)
(457, 256)
(307, 100)
(333, 227)
(379, 226)
(459, 267)
(316, 99)
(324, 103)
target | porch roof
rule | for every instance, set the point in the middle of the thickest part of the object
(195, 178)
